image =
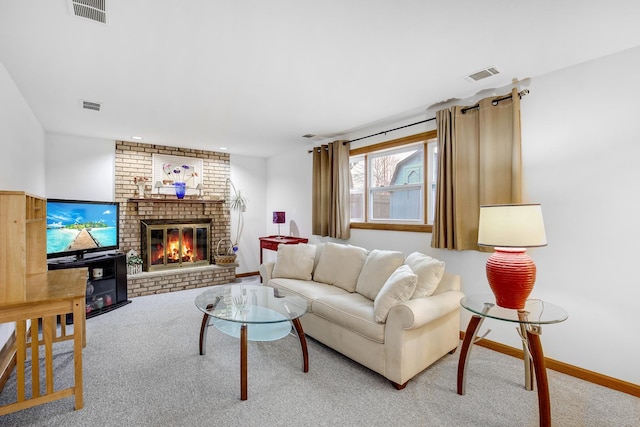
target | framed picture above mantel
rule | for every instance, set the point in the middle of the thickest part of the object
(168, 169)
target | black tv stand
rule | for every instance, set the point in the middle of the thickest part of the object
(106, 291)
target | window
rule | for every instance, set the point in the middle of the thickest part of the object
(393, 184)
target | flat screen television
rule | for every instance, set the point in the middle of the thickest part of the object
(77, 227)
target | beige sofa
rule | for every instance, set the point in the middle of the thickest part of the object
(395, 315)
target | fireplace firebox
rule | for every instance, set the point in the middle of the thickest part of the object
(167, 245)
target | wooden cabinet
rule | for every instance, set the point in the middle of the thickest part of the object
(35, 299)
(23, 243)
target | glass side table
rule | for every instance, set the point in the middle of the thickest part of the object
(530, 320)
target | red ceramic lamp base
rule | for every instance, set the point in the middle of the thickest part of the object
(511, 274)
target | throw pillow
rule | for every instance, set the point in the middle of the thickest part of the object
(340, 265)
(294, 261)
(429, 271)
(377, 269)
(398, 288)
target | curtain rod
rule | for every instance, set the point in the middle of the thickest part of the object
(464, 110)
(384, 132)
(390, 130)
(496, 101)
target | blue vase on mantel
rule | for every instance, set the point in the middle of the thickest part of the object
(181, 189)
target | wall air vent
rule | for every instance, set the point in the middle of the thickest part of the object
(482, 74)
(94, 10)
(89, 105)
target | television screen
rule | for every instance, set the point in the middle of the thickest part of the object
(76, 227)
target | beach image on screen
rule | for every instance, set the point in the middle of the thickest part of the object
(80, 226)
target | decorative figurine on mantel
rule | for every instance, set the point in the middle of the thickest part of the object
(141, 182)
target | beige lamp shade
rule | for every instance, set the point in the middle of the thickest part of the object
(511, 226)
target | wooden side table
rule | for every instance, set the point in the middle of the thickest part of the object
(272, 242)
(530, 319)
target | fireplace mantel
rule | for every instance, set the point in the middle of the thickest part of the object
(200, 201)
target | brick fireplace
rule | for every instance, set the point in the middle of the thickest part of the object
(169, 244)
(135, 159)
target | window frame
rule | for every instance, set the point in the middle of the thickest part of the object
(425, 138)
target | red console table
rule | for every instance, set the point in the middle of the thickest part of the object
(272, 242)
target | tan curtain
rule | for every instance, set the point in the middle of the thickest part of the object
(331, 208)
(479, 163)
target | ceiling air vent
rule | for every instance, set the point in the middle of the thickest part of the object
(94, 10)
(483, 74)
(89, 105)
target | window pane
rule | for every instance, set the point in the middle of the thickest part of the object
(433, 156)
(397, 167)
(356, 185)
(397, 204)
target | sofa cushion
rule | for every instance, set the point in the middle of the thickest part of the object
(319, 248)
(340, 265)
(351, 311)
(307, 289)
(294, 261)
(398, 288)
(377, 269)
(429, 271)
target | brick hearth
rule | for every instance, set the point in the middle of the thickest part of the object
(135, 159)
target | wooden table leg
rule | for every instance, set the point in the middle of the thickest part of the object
(243, 362)
(469, 338)
(203, 334)
(203, 331)
(79, 341)
(261, 247)
(467, 343)
(303, 344)
(535, 347)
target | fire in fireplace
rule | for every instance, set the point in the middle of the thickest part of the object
(170, 245)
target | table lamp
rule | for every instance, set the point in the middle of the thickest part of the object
(278, 218)
(510, 229)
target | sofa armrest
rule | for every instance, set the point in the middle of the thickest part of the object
(418, 312)
(266, 271)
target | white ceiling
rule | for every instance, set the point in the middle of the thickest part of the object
(255, 75)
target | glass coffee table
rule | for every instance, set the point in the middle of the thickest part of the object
(252, 313)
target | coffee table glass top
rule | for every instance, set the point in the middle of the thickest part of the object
(267, 311)
(538, 311)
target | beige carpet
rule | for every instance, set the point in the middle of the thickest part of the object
(142, 368)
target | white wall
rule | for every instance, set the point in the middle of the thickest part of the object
(580, 153)
(22, 140)
(80, 168)
(249, 175)
(289, 190)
